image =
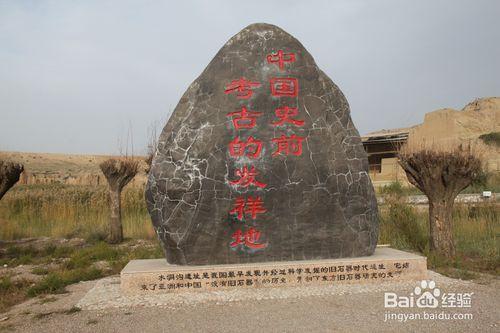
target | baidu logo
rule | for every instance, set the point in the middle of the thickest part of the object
(427, 295)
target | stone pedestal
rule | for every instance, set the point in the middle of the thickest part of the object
(157, 276)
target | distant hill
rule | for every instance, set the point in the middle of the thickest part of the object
(46, 168)
(479, 117)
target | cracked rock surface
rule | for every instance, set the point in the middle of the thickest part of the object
(319, 204)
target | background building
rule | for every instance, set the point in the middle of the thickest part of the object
(440, 127)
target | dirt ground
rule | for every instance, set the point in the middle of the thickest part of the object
(347, 311)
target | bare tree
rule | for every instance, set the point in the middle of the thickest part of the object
(441, 174)
(152, 144)
(9, 175)
(118, 172)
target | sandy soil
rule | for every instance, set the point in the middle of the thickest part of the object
(350, 310)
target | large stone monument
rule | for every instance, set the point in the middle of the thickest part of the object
(260, 180)
(260, 161)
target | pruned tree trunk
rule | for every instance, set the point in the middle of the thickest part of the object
(118, 173)
(9, 176)
(115, 223)
(441, 174)
(441, 228)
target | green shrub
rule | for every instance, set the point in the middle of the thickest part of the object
(11, 292)
(5, 283)
(485, 181)
(25, 259)
(405, 228)
(99, 251)
(51, 284)
(40, 271)
(73, 309)
(397, 189)
(492, 138)
(96, 236)
(393, 189)
(55, 282)
(62, 252)
(82, 274)
(18, 251)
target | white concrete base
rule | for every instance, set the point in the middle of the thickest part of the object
(153, 276)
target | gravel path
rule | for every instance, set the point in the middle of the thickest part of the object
(341, 308)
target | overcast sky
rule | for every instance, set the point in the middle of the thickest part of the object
(77, 76)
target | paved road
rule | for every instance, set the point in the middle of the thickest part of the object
(347, 311)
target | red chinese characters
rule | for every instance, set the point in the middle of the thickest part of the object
(244, 118)
(252, 206)
(242, 87)
(285, 115)
(247, 177)
(280, 58)
(249, 238)
(284, 87)
(291, 145)
(251, 147)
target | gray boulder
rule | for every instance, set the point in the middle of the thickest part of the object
(260, 161)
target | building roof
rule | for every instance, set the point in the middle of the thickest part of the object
(396, 134)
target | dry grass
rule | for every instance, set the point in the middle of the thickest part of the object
(70, 211)
(83, 211)
(475, 229)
